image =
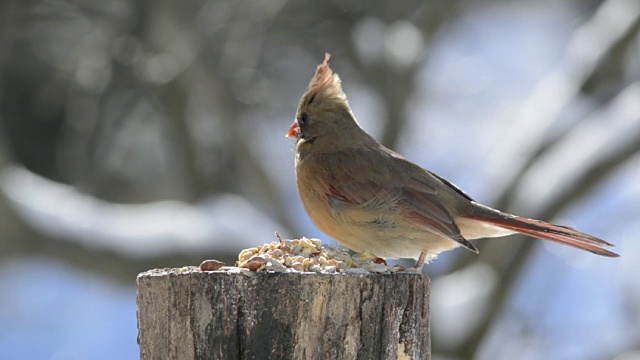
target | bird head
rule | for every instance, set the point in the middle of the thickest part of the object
(324, 118)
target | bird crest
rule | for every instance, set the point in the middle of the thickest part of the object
(325, 85)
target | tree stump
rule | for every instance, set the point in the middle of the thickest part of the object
(190, 314)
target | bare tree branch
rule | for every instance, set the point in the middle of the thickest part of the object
(513, 265)
(588, 46)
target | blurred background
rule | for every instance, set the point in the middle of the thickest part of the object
(143, 134)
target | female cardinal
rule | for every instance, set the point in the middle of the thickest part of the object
(370, 198)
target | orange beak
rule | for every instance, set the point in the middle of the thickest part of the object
(294, 131)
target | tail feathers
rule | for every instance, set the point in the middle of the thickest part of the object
(542, 230)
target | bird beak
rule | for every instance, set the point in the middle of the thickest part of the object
(294, 131)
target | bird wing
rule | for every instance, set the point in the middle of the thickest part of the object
(422, 207)
(415, 201)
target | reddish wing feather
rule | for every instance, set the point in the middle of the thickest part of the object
(418, 208)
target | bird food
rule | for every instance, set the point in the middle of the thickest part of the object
(310, 255)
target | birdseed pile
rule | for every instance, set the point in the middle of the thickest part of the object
(305, 255)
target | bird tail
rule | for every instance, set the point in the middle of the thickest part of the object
(543, 230)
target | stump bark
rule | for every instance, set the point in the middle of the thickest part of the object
(189, 314)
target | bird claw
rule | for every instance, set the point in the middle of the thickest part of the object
(380, 260)
(421, 260)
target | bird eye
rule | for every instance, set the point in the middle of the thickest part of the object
(303, 119)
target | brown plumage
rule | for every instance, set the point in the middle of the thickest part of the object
(370, 198)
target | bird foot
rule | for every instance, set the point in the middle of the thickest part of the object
(380, 261)
(420, 263)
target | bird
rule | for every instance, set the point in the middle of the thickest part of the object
(372, 199)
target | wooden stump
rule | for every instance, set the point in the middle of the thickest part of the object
(189, 314)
